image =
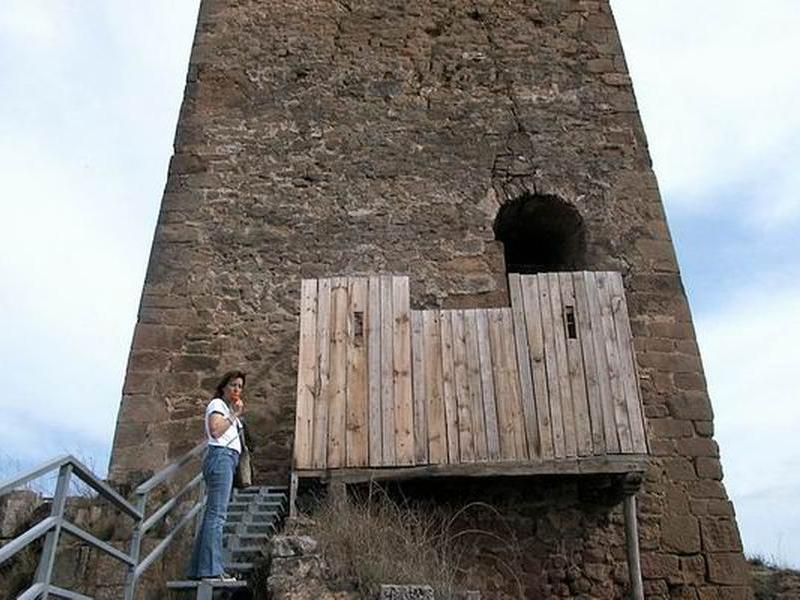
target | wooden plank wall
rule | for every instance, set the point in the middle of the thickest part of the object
(553, 376)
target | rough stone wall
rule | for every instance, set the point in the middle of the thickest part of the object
(320, 138)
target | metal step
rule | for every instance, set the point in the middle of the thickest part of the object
(253, 516)
(204, 590)
(190, 584)
(239, 567)
(241, 527)
(263, 502)
(260, 491)
(247, 553)
(233, 543)
(254, 538)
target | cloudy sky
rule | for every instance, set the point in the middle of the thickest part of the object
(89, 95)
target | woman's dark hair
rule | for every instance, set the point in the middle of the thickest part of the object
(226, 378)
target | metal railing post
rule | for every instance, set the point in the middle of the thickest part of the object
(45, 569)
(136, 543)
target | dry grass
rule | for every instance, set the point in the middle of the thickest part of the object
(376, 540)
(772, 579)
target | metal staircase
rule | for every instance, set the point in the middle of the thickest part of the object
(254, 516)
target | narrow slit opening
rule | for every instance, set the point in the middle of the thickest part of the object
(358, 324)
(569, 320)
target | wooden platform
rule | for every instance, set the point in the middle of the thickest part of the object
(546, 385)
(633, 463)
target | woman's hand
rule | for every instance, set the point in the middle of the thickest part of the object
(237, 407)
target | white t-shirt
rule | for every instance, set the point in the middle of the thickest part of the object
(229, 439)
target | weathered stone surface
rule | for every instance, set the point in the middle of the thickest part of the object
(680, 533)
(15, 508)
(283, 546)
(324, 138)
(406, 592)
(729, 568)
(719, 535)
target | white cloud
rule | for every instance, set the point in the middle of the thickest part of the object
(750, 355)
(715, 83)
(87, 117)
(32, 22)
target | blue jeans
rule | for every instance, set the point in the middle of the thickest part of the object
(218, 469)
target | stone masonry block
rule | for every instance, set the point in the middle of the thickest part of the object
(690, 405)
(719, 535)
(708, 468)
(658, 566)
(693, 569)
(679, 469)
(698, 447)
(704, 428)
(671, 428)
(681, 533)
(728, 568)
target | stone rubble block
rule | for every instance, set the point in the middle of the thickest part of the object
(15, 507)
(286, 546)
(406, 592)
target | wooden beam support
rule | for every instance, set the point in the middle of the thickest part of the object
(589, 465)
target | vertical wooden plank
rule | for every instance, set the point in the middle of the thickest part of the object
(373, 324)
(320, 452)
(487, 386)
(577, 379)
(503, 386)
(474, 383)
(586, 336)
(629, 373)
(535, 336)
(603, 377)
(418, 383)
(524, 366)
(437, 429)
(357, 411)
(567, 413)
(337, 391)
(461, 387)
(614, 367)
(551, 367)
(448, 391)
(387, 371)
(515, 409)
(306, 376)
(403, 399)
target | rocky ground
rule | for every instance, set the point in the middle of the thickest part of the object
(774, 583)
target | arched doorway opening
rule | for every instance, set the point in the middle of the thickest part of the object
(541, 233)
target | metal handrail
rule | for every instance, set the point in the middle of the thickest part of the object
(52, 526)
(171, 469)
(83, 472)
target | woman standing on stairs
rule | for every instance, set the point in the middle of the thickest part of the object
(224, 447)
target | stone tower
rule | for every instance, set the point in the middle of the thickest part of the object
(437, 138)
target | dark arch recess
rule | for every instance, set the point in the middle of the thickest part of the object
(541, 233)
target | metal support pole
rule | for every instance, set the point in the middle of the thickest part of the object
(45, 569)
(293, 482)
(205, 591)
(136, 544)
(632, 545)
